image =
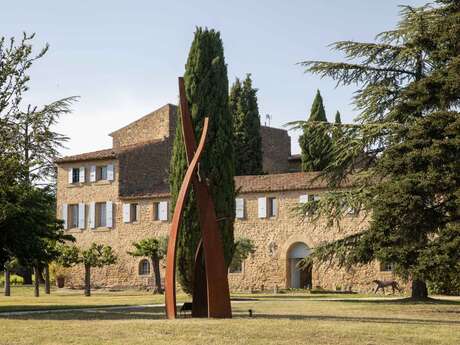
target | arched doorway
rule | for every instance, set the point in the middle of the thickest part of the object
(298, 279)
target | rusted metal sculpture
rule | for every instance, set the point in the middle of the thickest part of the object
(211, 296)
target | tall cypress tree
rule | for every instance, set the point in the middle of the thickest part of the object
(206, 88)
(315, 143)
(246, 128)
(338, 119)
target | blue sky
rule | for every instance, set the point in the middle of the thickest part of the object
(123, 57)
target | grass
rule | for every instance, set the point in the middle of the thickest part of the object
(290, 319)
(22, 299)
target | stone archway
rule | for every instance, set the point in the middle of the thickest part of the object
(298, 278)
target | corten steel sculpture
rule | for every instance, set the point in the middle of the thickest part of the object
(211, 296)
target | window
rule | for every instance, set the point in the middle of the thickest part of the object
(101, 173)
(133, 212)
(75, 175)
(239, 208)
(156, 211)
(272, 207)
(160, 211)
(73, 216)
(387, 267)
(144, 267)
(101, 214)
(236, 266)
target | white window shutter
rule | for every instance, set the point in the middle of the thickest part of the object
(82, 174)
(92, 174)
(239, 208)
(92, 215)
(81, 216)
(303, 199)
(109, 214)
(163, 210)
(126, 213)
(275, 207)
(64, 216)
(110, 172)
(70, 176)
(262, 202)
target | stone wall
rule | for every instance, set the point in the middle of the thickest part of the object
(276, 149)
(157, 125)
(266, 268)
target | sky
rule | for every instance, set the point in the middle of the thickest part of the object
(122, 58)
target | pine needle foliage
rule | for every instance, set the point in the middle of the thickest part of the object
(402, 154)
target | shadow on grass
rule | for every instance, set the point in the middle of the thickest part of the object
(357, 319)
(124, 313)
(400, 301)
(158, 313)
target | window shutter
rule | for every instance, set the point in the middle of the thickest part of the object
(239, 208)
(92, 174)
(64, 215)
(110, 172)
(92, 215)
(163, 210)
(303, 199)
(126, 213)
(109, 214)
(262, 202)
(82, 174)
(70, 176)
(275, 207)
(81, 216)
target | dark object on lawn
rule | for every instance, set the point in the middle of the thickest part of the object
(250, 312)
(382, 284)
(211, 295)
(187, 306)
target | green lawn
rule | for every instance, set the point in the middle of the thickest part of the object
(278, 319)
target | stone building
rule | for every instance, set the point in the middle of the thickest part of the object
(121, 195)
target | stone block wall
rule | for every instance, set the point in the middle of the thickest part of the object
(276, 149)
(157, 125)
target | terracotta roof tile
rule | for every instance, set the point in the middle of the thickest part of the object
(95, 155)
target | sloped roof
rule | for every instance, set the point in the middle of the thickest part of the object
(279, 182)
(89, 156)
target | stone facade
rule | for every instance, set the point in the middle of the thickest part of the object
(140, 172)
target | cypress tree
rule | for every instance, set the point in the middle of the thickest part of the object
(206, 88)
(315, 143)
(338, 120)
(246, 128)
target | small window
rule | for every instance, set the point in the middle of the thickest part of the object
(272, 207)
(75, 175)
(101, 214)
(388, 267)
(144, 267)
(101, 173)
(236, 266)
(133, 212)
(156, 211)
(73, 216)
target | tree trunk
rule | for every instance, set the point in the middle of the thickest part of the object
(47, 280)
(36, 281)
(87, 280)
(27, 276)
(41, 279)
(419, 290)
(156, 270)
(7, 282)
